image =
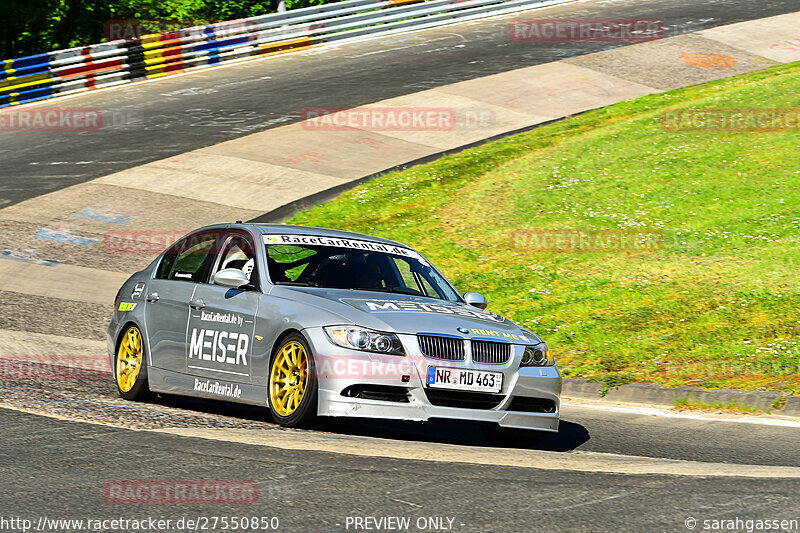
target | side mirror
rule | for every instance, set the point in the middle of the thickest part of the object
(230, 277)
(476, 300)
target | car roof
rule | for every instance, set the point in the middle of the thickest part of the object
(287, 229)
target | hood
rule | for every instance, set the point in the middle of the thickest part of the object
(402, 313)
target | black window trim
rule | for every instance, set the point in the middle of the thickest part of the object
(183, 248)
(229, 235)
(177, 247)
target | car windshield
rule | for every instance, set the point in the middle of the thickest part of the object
(355, 265)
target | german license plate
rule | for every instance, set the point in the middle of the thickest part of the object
(468, 380)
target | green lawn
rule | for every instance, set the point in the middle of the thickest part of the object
(712, 299)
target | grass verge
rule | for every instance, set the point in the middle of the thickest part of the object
(685, 269)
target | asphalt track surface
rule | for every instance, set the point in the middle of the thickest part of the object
(58, 469)
(159, 119)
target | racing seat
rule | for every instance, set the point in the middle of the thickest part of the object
(245, 265)
(335, 275)
(366, 276)
(235, 263)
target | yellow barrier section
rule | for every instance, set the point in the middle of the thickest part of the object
(404, 2)
(25, 81)
(286, 46)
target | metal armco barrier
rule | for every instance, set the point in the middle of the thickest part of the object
(41, 76)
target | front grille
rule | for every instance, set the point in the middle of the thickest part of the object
(532, 405)
(465, 400)
(495, 353)
(448, 348)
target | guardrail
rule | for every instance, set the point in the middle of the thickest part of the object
(41, 76)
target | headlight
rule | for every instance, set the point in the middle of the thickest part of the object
(538, 355)
(366, 340)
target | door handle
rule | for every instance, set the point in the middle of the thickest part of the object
(152, 297)
(197, 304)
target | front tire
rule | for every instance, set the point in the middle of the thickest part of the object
(130, 373)
(292, 386)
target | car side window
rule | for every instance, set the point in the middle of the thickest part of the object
(405, 273)
(410, 279)
(427, 288)
(167, 260)
(238, 252)
(419, 279)
(194, 261)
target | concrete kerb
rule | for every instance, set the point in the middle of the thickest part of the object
(287, 211)
(792, 407)
(647, 393)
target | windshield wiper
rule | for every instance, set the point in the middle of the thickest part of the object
(404, 290)
(298, 283)
(395, 290)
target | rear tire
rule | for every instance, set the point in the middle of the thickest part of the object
(292, 383)
(511, 437)
(130, 366)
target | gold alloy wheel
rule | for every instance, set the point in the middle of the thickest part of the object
(288, 378)
(129, 359)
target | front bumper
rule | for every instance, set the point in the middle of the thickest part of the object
(340, 369)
